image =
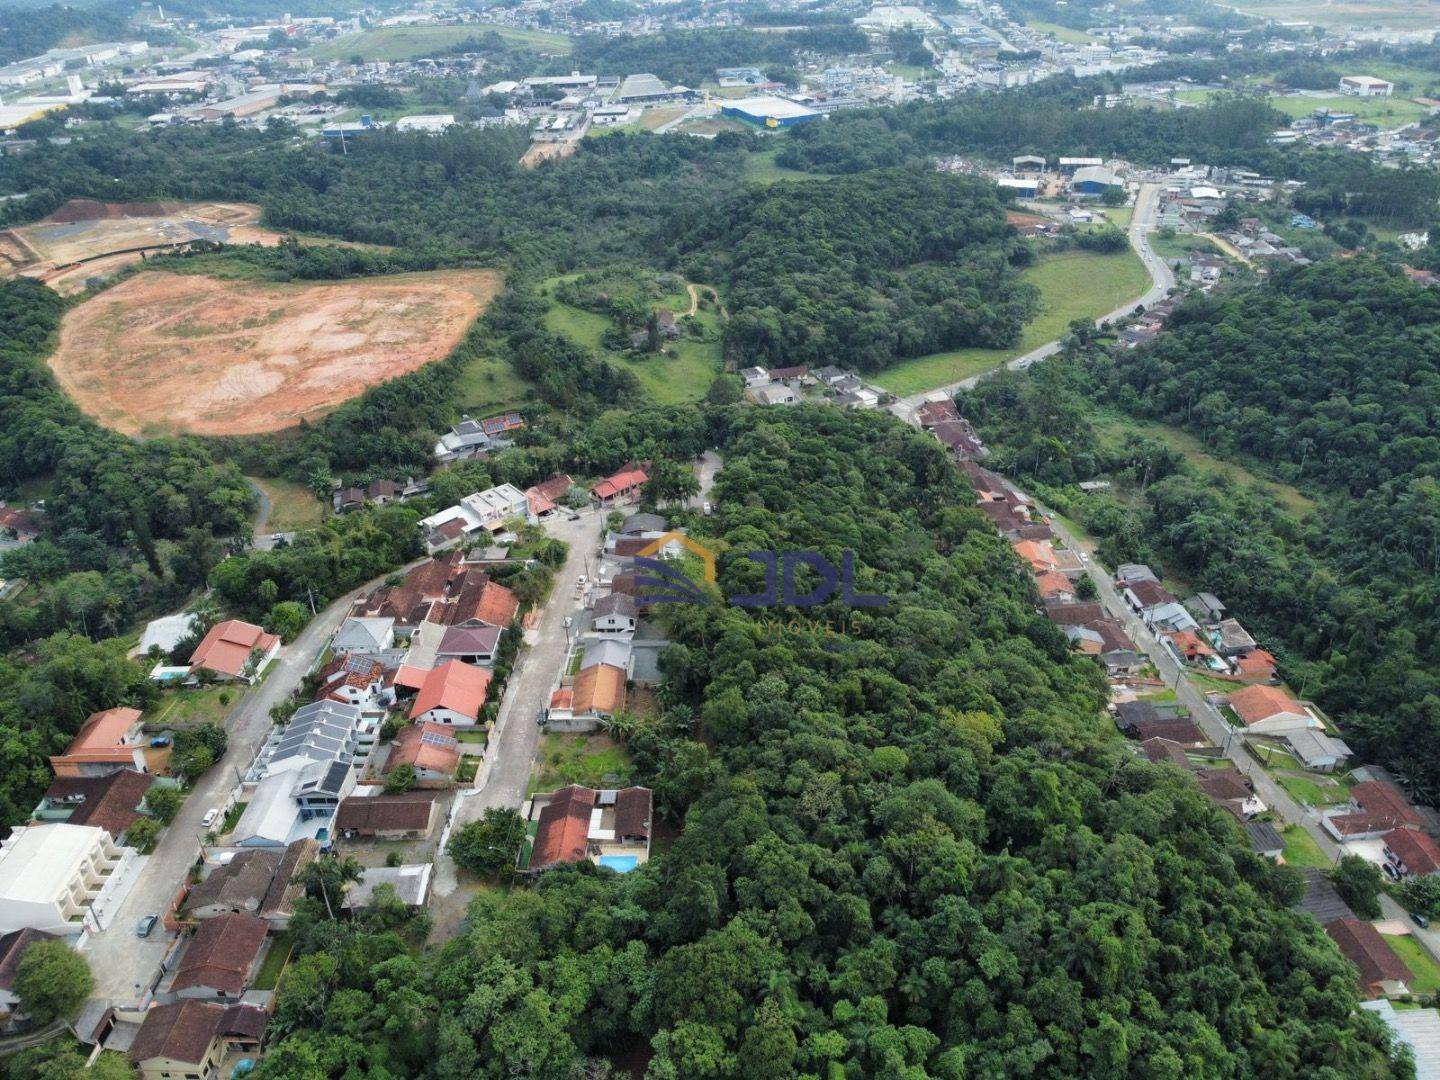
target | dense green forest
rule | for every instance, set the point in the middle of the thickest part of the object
(910, 848)
(690, 57)
(26, 32)
(1328, 377)
(864, 270)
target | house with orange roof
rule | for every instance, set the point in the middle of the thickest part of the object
(1268, 710)
(1054, 587)
(1041, 557)
(107, 742)
(1189, 646)
(610, 827)
(235, 650)
(429, 748)
(452, 693)
(623, 485)
(1257, 666)
(1411, 852)
(589, 701)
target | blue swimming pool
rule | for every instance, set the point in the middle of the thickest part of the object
(621, 864)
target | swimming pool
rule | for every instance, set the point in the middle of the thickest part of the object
(621, 864)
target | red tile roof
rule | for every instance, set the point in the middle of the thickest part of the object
(12, 948)
(1383, 800)
(222, 954)
(107, 801)
(1416, 850)
(483, 600)
(563, 828)
(622, 483)
(185, 1030)
(1151, 594)
(1257, 703)
(227, 647)
(425, 746)
(454, 685)
(408, 811)
(1367, 950)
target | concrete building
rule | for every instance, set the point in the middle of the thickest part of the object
(52, 875)
(768, 112)
(1366, 86)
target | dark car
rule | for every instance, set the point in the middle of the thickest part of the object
(160, 740)
(1420, 920)
(143, 928)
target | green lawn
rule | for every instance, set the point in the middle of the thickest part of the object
(579, 759)
(185, 707)
(232, 818)
(675, 379)
(1181, 245)
(1313, 792)
(269, 974)
(1421, 965)
(761, 168)
(1391, 14)
(1386, 112)
(913, 72)
(1301, 849)
(1061, 33)
(1119, 216)
(292, 506)
(472, 735)
(412, 42)
(489, 385)
(1073, 285)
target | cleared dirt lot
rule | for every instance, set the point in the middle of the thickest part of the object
(165, 352)
(86, 238)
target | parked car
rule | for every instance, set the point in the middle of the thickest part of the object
(569, 621)
(1390, 871)
(1420, 920)
(708, 507)
(159, 741)
(145, 925)
(209, 818)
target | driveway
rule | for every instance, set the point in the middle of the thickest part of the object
(1162, 280)
(516, 738)
(709, 464)
(125, 965)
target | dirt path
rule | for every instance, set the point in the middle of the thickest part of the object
(1227, 247)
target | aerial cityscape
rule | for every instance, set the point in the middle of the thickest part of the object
(673, 539)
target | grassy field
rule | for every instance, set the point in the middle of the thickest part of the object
(412, 42)
(1301, 849)
(185, 707)
(292, 506)
(579, 759)
(1062, 33)
(761, 168)
(274, 963)
(913, 72)
(1315, 793)
(1073, 285)
(1112, 427)
(1180, 245)
(1386, 112)
(670, 380)
(489, 385)
(1119, 216)
(1425, 970)
(1390, 14)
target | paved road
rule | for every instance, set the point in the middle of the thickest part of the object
(1221, 734)
(1162, 280)
(516, 737)
(123, 964)
(705, 470)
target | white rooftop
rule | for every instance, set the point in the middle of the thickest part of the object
(38, 861)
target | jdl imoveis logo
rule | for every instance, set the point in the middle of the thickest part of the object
(662, 583)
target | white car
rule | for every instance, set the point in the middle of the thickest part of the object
(708, 508)
(209, 818)
(569, 621)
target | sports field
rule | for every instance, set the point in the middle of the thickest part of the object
(163, 352)
(413, 42)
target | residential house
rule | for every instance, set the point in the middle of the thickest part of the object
(931, 414)
(235, 650)
(1254, 667)
(1377, 807)
(1189, 647)
(1316, 750)
(192, 1039)
(488, 511)
(1411, 852)
(613, 652)
(1184, 732)
(545, 497)
(377, 493)
(615, 614)
(1231, 790)
(1041, 557)
(55, 876)
(1075, 614)
(352, 679)
(430, 749)
(1145, 595)
(237, 885)
(1232, 639)
(609, 827)
(12, 950)
(17, 526)
(1207, 608)
(755, 376)
(1158, 750)
(644, 526)
(1268, 710)
(1382, 972)
(290, 804)
(107, 742)
(472, 437)
(960, 437)
(1054, 587)
(621, 486)
(409, 815)
(589, 702)
(1320, 898)
(470, 644)
(774, 393)
(1127, 574)
(221, 957)
(832, 376)
(1169, 618)
(795, 373)
(1265, 839)
(446, 591)
(365, 637)
(452, 694)
(112, 802)
(1419, 1029)
(410, 885)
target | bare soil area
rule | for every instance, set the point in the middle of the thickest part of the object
(163, 352)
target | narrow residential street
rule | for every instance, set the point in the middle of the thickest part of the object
(516, 738)
(124, 964)
(1162, 280)
(1219, 732)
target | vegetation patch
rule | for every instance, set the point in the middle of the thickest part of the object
(412, 42)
